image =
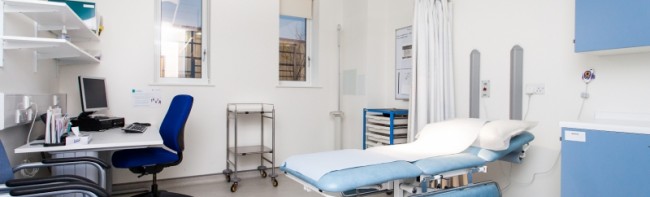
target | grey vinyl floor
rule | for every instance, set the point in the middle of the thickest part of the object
(253, 186)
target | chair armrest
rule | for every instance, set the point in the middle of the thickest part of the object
(101, 165)
(61, 188)
(71, 161)
(47, 180)
(77, 159)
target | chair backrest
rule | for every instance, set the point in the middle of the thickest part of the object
(173, 126)
(6, 172)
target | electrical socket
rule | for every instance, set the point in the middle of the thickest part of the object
(22, 116)
(19, 109)
(485, 89)
(55, 100)
(19, 115)
(27, 102)
(535, 89)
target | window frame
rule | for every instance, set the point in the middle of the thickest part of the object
(309, 71)
(205, 46)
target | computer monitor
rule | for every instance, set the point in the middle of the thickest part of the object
(93, 94)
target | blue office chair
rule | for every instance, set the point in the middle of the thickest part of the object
(47, 186)
(153, 160)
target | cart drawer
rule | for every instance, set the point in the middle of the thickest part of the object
(385, 139)
(371, 143)
(379, 119)
(386, 129)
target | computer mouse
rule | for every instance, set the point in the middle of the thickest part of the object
(142, 123)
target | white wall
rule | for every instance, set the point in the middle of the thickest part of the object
(18, 77)
(244, 57)
(368, 37)
(545, 29)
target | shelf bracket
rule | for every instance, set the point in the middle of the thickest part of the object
(35, 61)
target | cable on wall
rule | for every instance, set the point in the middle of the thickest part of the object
(510, 182)
(530, 96)
(32, 171)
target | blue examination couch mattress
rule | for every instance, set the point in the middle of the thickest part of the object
(446, 163)
(352, 178)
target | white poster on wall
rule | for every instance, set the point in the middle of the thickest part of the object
(146, 97)
(403, 48)
(403, 62)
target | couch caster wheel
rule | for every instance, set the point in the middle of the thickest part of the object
(233, 188)
(275, 182)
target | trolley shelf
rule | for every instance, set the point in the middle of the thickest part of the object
(266, 113)
(249, 150)
(250, 108)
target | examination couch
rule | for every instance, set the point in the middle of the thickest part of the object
(374, 167)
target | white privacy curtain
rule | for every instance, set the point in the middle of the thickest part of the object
(432, 93)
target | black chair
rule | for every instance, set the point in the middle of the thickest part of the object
(153, 160)
(48, 186)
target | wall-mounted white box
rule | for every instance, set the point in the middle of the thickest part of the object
(13, 112)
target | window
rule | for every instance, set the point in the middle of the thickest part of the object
(295, 43)
(293, 48)
(181, 42)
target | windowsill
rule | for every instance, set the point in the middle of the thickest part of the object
(297, 86)
(182, 84)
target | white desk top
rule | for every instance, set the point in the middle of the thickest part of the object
(113, 139)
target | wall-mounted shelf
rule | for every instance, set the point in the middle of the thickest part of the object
(52, 16)
(48, 48)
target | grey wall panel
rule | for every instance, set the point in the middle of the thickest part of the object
(516, 82)
(474, 84)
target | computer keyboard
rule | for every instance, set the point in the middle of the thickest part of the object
(135, 128)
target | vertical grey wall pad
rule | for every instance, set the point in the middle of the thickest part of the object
(516, 82)
(474, 84)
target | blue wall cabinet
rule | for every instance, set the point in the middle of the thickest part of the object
(603, 160)
(384, 127)
(612, 27)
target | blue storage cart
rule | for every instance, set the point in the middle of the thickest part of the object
(384, 127)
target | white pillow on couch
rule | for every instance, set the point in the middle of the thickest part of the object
(495, 135)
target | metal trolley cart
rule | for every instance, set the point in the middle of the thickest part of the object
(265, 111)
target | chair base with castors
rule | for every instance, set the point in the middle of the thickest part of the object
(154, 192)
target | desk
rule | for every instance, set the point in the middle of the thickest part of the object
(109, 140)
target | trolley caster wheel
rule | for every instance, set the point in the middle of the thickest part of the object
(233, 188)
(275, 182)
(228, 178)
(263, 173)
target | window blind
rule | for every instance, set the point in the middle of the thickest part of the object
(297, 8)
